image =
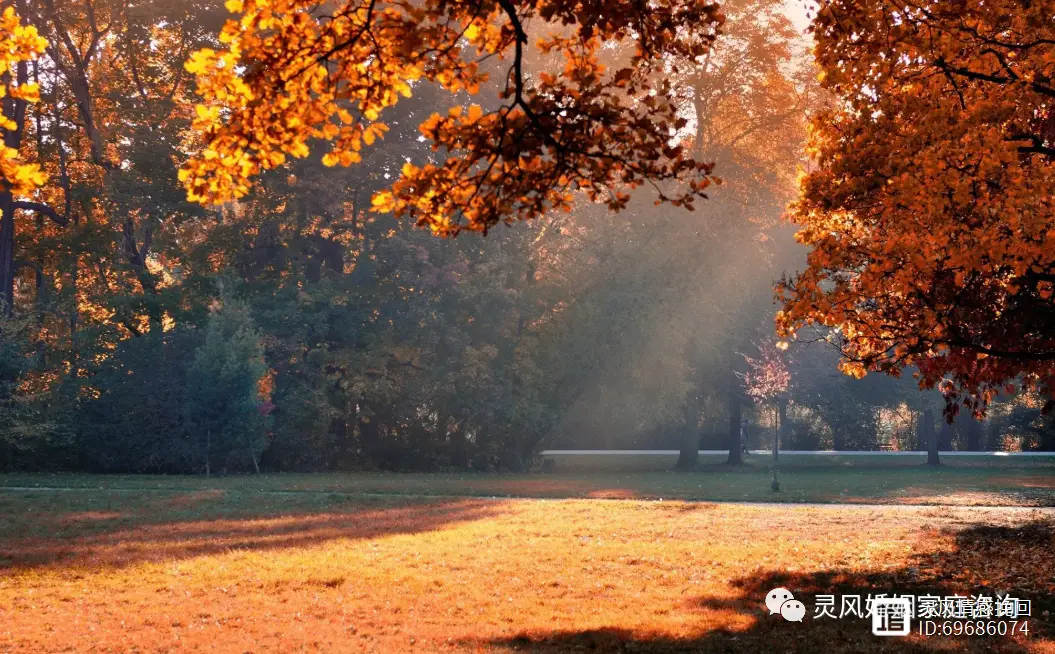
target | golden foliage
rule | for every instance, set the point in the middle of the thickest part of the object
(289, 74)
(930, 215)
(18, 44)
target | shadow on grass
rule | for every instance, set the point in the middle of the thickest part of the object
(71, 531)
(985, 561)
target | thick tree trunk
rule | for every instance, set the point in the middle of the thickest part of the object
(7, 252)
(735, 443)
(14, 110)
(932, 437)
(689, 455)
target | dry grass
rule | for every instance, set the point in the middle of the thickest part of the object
(234, 572)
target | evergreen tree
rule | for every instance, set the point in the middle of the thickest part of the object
(223, 404)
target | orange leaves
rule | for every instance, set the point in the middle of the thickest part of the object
(291, 73)
(930, 210)
(269, 92)
(18, 44)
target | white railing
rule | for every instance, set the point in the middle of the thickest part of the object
(921, 453)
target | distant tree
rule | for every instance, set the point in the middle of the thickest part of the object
(767, 381)
(223, 403)
(133, 419)
(29, 434)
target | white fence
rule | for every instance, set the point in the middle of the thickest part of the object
(921, 453)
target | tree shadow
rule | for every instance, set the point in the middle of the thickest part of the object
(986, 560)
(68, 531)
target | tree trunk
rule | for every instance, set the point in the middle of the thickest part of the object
(14, 110)
(932, 437)
(7, 252)
(974, 435)
(74, 314)
(782, 421)
(994, 439)
(735, 443)
(689, 455)
(776, 432)
(256, 465)
(208, 452)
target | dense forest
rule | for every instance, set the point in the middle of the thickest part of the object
(296, 327)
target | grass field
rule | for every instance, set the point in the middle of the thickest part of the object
(981, 481)
(394, 563)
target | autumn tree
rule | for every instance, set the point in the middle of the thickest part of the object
(929, 215)
(766, 382)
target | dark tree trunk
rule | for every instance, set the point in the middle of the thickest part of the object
(932, 437)
(735, 443)
(7, 252)
(14, 110)
(974, 435)
(994, 439)
(689, 455)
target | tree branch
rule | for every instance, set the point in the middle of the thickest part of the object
(40, 207)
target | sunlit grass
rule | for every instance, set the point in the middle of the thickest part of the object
(235, 571)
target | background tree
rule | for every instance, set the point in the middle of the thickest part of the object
(767, 381)
(222, 398)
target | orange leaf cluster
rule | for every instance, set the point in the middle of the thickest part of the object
(18, 43)
(294, 70)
